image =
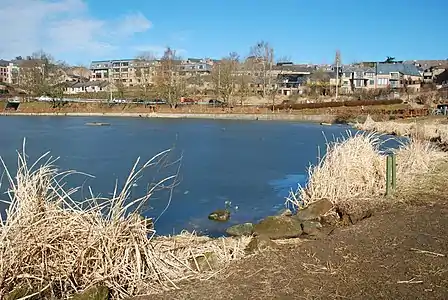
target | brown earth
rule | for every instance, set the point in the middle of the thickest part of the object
(379, 258)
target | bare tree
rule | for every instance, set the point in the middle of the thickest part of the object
(144, 69)
(262, 55)
(40, 74)
(224, 76)
(319, 82)
(244, 89)
(169, 85)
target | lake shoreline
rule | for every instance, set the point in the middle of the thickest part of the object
(219, 116)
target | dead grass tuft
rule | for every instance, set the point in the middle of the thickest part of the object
(431, 131)
(352, 174)
(58, 246)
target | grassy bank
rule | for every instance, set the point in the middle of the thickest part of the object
(337, 114)
(352, 173)
(433, 129)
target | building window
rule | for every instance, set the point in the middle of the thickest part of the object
(383, 81)
(372, 82)
(370, 75)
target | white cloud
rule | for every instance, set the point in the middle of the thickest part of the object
(63, 27)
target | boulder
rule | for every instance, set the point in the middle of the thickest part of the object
(357, 216)
(314, 210)
(206, 262)
(259, 243)
(330, 219)
(312, 228)
(93, 293)
(286, 213)
(278, 227)
(220, 215)
(240, 229)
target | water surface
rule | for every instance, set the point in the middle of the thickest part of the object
(253, 164)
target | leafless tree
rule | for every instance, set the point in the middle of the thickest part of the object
(168, 84)
(144, 70)
(224, 77)
(262, 56)
(319, 82)
(40, 74)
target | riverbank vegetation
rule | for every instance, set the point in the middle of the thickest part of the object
(54, 246)
(434, 130)
(352, 173)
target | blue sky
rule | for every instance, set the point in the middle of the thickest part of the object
(305, 31)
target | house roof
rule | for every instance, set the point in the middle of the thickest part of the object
(90, 84)
(4, 63)
(426, 64)
(352, 69)
(405, 69)
(442, 77)
(293, 68)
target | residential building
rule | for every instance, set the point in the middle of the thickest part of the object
(132, 72)
(89, 87)
(8, 72)
(398, 75)
(382, 75)
(441, 80)
(290, 78)
(430, 69)
(100, 70)
(357, 77)
(194, 66)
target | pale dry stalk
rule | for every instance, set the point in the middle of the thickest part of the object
(58, 246)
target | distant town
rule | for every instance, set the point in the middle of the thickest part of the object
(229, 79)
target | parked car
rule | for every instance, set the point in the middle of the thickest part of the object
(44, 98)
(184, 100)
(216, 102)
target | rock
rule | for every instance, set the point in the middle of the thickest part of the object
(314, 210)
(259, 243)
(357, 216)
(331, 219)
(206, 262)
(278, 227)
(220, 215)
(240, 229)
(286, 213)
(345, 220)
(311, 228)
(93, 293)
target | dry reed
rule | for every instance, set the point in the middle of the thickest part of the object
(432, 131)
(57, 246)
(353, 171)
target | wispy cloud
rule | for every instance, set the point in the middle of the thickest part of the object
(63, 27)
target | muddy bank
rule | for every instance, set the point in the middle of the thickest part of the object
(218, 116)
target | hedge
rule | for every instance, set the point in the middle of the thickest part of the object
(352, 103)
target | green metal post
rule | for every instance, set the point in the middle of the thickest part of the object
(394, 172)
(388, 174)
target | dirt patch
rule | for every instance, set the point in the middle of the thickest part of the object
(381, 257)
(366, 261)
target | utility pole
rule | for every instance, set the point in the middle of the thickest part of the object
(338, 58)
